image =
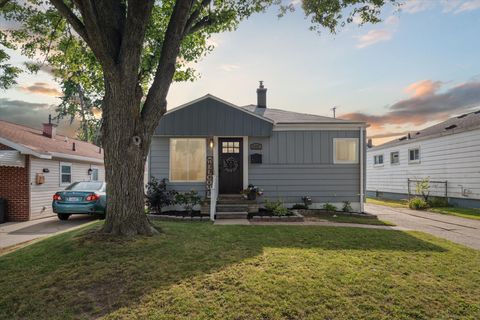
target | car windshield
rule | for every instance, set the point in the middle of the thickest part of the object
(94, 185)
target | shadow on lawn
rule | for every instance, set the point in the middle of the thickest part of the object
(71, 276)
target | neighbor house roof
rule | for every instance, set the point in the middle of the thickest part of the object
(283, 116)
(32, 141)
(457, 124)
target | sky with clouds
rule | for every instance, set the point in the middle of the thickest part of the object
(416, 68)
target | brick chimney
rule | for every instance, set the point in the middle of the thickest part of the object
(261, 96)
(49, 129)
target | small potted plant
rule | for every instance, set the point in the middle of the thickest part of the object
(252, 192)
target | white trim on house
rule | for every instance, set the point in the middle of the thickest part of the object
(245, 162)
(335, 161)
(74, 157)
(23, 149)
(219, 100)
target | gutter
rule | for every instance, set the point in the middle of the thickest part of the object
(74, 157)
(24, 150)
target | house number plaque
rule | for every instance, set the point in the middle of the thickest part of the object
(255, 146)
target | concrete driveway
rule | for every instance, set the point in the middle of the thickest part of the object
(456, 229)
(14, 233)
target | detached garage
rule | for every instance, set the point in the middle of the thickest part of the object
(34, 164)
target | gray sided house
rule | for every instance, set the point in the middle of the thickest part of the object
(210, 142)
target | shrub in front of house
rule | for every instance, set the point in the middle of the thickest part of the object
(188, 200)
(417, 204)
(329, 207)
(157, 196)
(347, 207)
(276, 208)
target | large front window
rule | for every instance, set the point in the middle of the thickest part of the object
(345, 150)
(188, 159)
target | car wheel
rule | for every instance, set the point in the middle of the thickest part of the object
(63, 216)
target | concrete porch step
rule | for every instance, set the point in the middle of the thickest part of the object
(232, 215)
(232, 207)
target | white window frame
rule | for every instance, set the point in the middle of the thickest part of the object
(419, 155)
(395, 163)
(98, 173)
(357, 142)
(170, 161)
(65, 164)
(375, 164)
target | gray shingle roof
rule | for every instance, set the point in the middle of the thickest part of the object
(453, 125)
(283, 116)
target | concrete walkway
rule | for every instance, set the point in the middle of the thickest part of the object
(460, 230)
(15, 233)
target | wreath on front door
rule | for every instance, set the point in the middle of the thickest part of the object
(230, 164)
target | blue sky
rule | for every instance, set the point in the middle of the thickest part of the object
(402, 74)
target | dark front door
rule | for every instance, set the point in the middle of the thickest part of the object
(230, 165)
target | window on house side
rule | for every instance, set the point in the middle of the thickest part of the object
(94, 176)
(414, 155)
(65, 173)
(394, 157)
(345, 150)
(378, 159)
(188, 160)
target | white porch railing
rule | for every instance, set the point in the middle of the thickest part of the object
(213, 197)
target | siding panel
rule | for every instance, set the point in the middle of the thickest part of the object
(41, 195)
(454, 158)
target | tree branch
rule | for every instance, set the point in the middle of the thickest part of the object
(138, 15)
(3, 3)
(155, 104)
(74, 21)
(201, 24)
(195, 14)
(98, 37)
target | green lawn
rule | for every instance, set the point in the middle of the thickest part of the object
(388, 203)
(459, 212)
(195, 270)
(338, 217)
(454, 211)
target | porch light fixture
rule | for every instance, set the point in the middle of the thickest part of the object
(89, 171)
(210, 143)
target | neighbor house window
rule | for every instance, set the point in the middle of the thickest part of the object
(378, 159)
(94, 176)
(188, 159)
(345, 150)
(414, 155)
(394, 157)
(65, 173)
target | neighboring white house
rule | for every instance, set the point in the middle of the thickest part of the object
(447, 152)
(34, 164)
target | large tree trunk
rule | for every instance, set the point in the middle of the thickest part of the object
(126, 147)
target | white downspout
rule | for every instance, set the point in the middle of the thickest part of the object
(361, 170)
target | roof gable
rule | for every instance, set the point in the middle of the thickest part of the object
(212, 116)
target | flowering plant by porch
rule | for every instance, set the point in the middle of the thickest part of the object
(251, 192)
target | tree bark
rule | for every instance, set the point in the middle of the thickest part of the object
(126, 148)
